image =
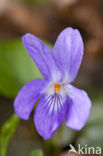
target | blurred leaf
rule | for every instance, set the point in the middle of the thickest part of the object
(7, 132)
(37, 152)
(40, 2)
(92, 133)
(64, 136)
(16, 68)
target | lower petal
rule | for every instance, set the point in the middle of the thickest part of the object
(27, 96)
(79, 108)
(49, 114)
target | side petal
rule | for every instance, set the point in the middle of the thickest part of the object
(27, 96)
(49, 114)
(79, 108)
(68, 53)
(41, 55)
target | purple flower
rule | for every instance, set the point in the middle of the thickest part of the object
(59, 100)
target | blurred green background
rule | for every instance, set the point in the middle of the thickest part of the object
(46, 19)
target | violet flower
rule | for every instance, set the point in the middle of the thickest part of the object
(59, 100)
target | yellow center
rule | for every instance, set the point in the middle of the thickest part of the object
(57, 87)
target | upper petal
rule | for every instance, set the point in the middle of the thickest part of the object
(79, 108)
(49, 114)
(27, 96)
(41, 55)
(68, 53)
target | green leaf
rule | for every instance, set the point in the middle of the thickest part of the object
(92, 133)
(16, 68)
(39, 2)
(7, 132)
(37, 152)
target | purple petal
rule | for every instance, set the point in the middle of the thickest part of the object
(41, 55)
(27, 97)
(49, 114)
(79, 108)
(68, 53)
